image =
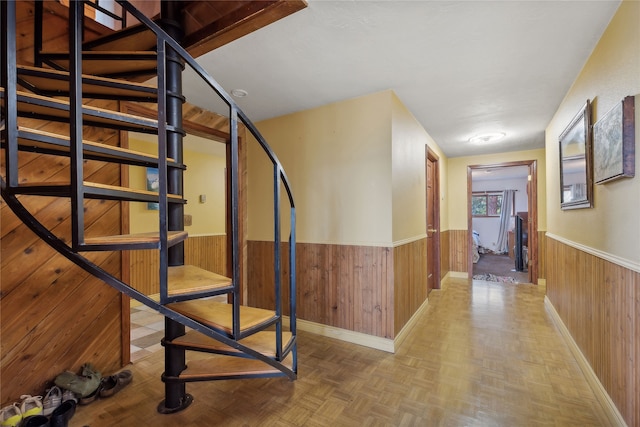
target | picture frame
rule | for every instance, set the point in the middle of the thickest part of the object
(614, 143)
(576, 167)
(152, 180)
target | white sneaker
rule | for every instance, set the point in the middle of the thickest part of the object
(51, 400)
(10, 416)
(31, 405)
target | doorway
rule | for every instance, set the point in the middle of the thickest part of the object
(433, 220)
(520, 259)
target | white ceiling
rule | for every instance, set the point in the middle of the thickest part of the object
(461, 67)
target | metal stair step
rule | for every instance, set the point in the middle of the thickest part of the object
(220, 367)
(45, 108)
(219, 316)
(109, 63)
(93, 190)
(45, 81)
(263, 342)
(39, 141)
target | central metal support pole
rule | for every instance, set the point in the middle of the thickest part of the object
(176, 397)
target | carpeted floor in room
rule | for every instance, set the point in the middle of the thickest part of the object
(499, 265)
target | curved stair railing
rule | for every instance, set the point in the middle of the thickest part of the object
(44, 107)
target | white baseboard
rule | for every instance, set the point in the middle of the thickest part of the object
(610, 409)
(457, 275)
(404, 332)
(359, 338)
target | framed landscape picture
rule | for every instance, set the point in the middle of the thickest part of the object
(614, 143)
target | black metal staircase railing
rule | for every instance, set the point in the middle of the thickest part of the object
(168, 53)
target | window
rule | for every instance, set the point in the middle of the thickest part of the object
(486, 203)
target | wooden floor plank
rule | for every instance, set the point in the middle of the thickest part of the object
(484, 355)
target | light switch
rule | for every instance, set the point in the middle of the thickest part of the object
(203, 198)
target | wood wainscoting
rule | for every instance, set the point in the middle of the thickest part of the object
(343, 286)
(445, 254)
(207, 252)
(542, 256)
(599, 303)
(366, 289)
(409, 281)
(458, 250)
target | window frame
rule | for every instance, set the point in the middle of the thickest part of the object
(486, 195)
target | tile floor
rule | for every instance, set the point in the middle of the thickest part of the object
(147, 329)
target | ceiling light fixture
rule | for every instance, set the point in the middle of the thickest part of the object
(487, 137)
(239, 93)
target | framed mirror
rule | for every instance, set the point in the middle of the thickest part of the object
(576, 181)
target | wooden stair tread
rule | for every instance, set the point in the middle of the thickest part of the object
(36, 105)
(50, 80)
(133, 191)
(151, 237)
(93, 190)
(263, 342)
(135, 37)
(45, 140)
(223, 366)
(219, 315)
(189, 278)
(109, 63)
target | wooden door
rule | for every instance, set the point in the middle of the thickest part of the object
(433, 222)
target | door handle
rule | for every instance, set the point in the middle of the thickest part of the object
(432, 230)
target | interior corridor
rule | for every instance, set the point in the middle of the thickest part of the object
(485, 354)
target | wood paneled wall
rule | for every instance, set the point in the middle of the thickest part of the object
(348, 287)
(542, 255)
(458, 250)
(54, 316)
(409, 281)
(599, 303)
(207, 252)
(445, 253)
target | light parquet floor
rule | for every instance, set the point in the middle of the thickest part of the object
(485, 354)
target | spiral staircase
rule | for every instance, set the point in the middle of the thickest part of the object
(240, 341)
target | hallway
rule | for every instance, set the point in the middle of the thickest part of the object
(481, 355)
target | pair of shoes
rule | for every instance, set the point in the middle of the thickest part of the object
(51, 400)
(114, 383)
(62, 414)
(10, 416)
(93, 396)
(31, 405)
(82, 385)
(35, 421)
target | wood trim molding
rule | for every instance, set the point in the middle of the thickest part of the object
(622, 262)
(614, 418)
(532, 208)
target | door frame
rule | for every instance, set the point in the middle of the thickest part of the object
(532, 208)
(433, 157)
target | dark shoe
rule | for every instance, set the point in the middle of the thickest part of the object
(35, 421)
(114, 383)
(62, 414)
(93, 396)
